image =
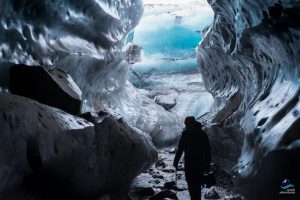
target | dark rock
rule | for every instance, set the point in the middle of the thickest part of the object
(223, 178)
(156, 181)
(54, 87)
(180, 168)
(158, 176)
(157, 172)
(172, 151)
(179, 176)
(102, 113)
(45, 150)
(143, 192)
(160, 163)
(276, 11)
(89, 117)
(211, 194)
(150, 170)
(171, 185)
(164, 194)
(168, 170)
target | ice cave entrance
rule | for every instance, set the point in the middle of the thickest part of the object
(167, 70)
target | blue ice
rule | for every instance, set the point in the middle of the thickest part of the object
(168, 67)
(169, 36)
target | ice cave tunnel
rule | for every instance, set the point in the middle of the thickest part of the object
(166, 70)
(94, 93)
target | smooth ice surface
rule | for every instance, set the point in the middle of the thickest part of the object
(250, 62)
(166, 37)
(171, 29)
(166, 65)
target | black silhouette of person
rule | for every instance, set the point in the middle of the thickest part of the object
(197, 155)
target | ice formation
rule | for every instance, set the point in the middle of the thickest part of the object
(168, 67)
(85, 39)
(249, 59)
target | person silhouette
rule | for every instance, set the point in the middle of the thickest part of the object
(197, 155)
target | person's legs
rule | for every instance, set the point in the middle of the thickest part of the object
(191, 185)
(193, 178)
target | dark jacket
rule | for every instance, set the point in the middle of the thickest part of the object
(195, 145)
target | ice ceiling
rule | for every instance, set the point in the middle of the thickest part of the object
(168, 33)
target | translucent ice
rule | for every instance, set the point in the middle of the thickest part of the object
(168, 32)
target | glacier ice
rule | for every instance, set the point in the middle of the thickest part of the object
(168, 34)
(249, 59)
(85, 39)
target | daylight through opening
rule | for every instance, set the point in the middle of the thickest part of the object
(163, 57)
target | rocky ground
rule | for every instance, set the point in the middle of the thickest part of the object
(159, 181)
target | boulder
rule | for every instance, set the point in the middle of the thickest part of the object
(121, 150)
(54, 87)
(163, 195)
(54, 155)
(89, 116)
(159, 176)
(171, 185)
(160, 163)
(166, 101)
(211, 194)
(142, 192)
(168, 170)
(155, 181)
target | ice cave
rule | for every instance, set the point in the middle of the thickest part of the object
(94, 95)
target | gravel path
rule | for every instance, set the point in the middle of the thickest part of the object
(162, 176)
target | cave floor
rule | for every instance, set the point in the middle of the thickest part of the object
(163, 172)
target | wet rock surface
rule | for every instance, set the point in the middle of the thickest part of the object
(162, 180)
(51, 87)
(50, 154)
(164, 194)
(139, 193)
(211, 194)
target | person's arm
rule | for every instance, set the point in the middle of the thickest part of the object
(207, 154)
(179, 151)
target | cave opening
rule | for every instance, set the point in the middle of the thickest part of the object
(164, 65)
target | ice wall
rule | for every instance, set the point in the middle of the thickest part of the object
(250, 61)
(43, 32)
(83, 38)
